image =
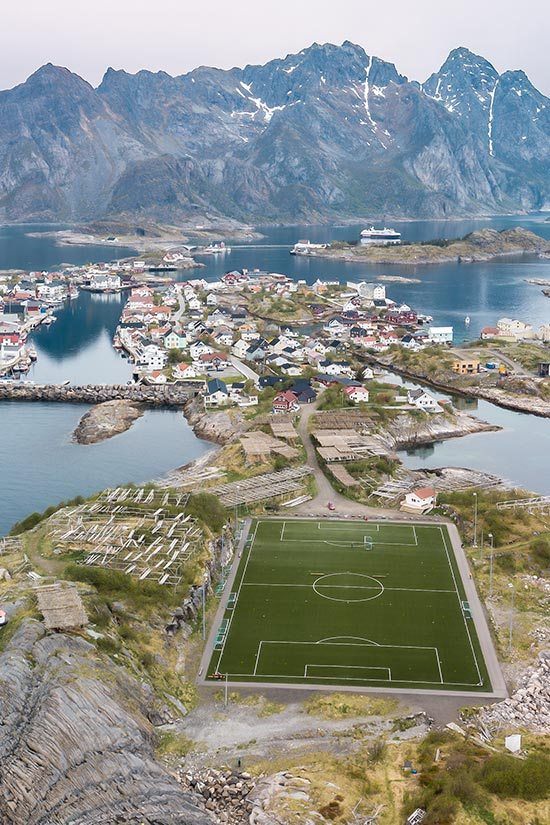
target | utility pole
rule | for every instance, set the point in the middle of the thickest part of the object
(475, 520)
(491, 567)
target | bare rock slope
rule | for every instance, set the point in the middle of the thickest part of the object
(106, 420)
(76, 740)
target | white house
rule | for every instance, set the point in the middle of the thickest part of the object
(368, 373)
(173, 340)
(421, 500)
(215, 393)
(152, 357)
(211, 299)
(440, 335)
(186, 371)
(511, 328)
(357, 394)
(291, 369)
(336, 368)
(199, 348)
(422, 400)
(240, 348)
(372, 292)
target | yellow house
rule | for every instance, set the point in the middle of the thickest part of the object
(465, 364)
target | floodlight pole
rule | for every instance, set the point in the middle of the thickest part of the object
(491, 567)
(511, 629)
(475, 520)
(226, 688)
(204, 610)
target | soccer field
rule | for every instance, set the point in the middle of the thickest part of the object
(349, 603)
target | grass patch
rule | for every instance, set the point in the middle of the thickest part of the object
(170, 743)
(346, 705)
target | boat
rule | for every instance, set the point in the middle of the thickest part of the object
(215, 249)
(49, 319)
(32, 354)
(66, 382)
(73, 292)
(467, 320)
(307, 248)
(382, 237)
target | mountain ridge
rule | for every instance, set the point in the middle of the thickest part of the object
(328, 132)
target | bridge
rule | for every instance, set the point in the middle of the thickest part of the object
(152, 396)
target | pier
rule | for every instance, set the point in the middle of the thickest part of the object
(151, 396)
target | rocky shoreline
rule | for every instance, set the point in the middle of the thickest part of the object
(406, 432)
(495, 395)
(480, 246)
(107, 420)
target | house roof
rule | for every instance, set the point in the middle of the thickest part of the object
(424, 492)
(215, 385)
(286, 395)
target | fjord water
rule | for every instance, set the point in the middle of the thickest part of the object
(39, 464)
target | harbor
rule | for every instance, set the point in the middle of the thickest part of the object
(77, 349)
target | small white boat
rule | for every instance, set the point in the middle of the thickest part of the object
(32, 354)
(307, 248)
(66, 382)
(49, 319)
(467, 320)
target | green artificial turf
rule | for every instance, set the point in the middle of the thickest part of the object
(349, 603)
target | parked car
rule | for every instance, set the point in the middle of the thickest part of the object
(3, 618)
(331, 505)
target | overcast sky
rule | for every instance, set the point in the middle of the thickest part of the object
(177, 35)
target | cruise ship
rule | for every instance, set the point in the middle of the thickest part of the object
(380, 236)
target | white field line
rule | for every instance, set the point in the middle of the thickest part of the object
(282, 532)
(460, 606)
(347, 587)
(349, 667)
(351, 644)
(439, 665)
(286, 677)
(249, 553)
(349, 543)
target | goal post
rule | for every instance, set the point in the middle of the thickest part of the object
(367, 542)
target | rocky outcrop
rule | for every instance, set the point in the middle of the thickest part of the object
(149, 396)
(482, 245)
(106, 420)
(408, 430)
(220, 426)
(76, 743)
(529, 706)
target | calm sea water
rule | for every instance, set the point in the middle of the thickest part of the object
(39, 464)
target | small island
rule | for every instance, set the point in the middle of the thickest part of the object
(106, 420)
(482, 245)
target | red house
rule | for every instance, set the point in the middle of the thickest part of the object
(286, 401)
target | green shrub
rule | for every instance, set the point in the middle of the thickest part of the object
(523, 779)
(208, 509)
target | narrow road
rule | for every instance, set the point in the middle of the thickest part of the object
(325, 490)
(244, 369)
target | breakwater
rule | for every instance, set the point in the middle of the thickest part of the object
(150, 396)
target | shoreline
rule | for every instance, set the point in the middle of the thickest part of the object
(522, 405)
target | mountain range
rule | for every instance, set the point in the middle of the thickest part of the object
(330, 132)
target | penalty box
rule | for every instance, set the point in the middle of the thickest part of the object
(348, 659)
(348, 534)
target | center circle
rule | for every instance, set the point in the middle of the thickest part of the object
(348, 587)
